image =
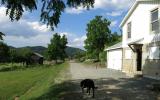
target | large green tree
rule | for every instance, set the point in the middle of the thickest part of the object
(56, 48)
(50, 12)
(4, 52)
(115, 38)
(98, 34)
(1, 35)
(63, 47)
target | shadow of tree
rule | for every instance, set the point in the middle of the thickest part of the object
(108, 89)
(57, 90)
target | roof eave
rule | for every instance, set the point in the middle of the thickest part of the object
(116, 46)
(113, 48)
(129, 13)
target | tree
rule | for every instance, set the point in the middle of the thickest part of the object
(102, 56)
(4, 52)
(80, 56)
(63, 47)
(98, 34)
(22, 55)
(115, 38)
(50, 12)
(56, 49)
(1, 35)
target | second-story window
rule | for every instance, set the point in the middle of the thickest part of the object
(129, 30)
(154, 21)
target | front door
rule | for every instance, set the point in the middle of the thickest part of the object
(139, 60)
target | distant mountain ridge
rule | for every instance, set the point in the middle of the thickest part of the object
(71, 51)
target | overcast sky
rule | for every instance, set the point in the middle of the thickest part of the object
(30, 32)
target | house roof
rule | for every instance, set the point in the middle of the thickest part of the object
(38, 54)
(133, 7)
(116, 46)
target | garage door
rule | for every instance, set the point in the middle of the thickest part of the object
(115, 59)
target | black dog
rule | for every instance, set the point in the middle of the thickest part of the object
(89, 84)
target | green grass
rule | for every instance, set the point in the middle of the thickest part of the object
(29, 83)
(8, 65)
(11, 66)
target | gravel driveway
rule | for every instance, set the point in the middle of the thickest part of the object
(112, 85)
(80, 71)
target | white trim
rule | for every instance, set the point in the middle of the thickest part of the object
(113, 48)
(136, 41)
(129, 13)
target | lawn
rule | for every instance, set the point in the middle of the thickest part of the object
(29, 83)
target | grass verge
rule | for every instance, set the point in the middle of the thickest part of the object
(29, 83)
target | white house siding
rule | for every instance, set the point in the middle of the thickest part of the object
(115, 59)
(140, 19)
(151, 60)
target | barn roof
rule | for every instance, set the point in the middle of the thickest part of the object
(116, 46)
(37, 54)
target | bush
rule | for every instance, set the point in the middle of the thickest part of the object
(102, 56)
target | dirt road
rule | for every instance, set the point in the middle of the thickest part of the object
(112, 85)
(81, 71)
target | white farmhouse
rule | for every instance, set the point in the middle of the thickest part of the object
(139, 51)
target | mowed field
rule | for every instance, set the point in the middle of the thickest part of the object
(29, 83)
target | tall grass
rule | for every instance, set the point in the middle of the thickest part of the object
(29, 83)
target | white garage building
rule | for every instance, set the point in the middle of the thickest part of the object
(114, 57)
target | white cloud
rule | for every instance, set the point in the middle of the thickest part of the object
(23, 27)
(116, 4)
(104, 4)
(79, 41)
(74, 40)
(114, 13)
(114, 23)
(75, 10)
(38, 40)
(43, 40)
(24, 32)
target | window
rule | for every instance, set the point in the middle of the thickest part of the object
(128, 54)
(154, 53)
(154, 21)
(129, 30)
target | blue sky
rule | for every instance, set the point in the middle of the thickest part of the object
(30, 32)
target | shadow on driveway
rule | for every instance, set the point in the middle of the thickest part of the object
(108, 89)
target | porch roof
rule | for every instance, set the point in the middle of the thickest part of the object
(137, 41)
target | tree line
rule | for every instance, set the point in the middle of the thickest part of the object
(8, 54)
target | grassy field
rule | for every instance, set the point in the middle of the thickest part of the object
(30, 83)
